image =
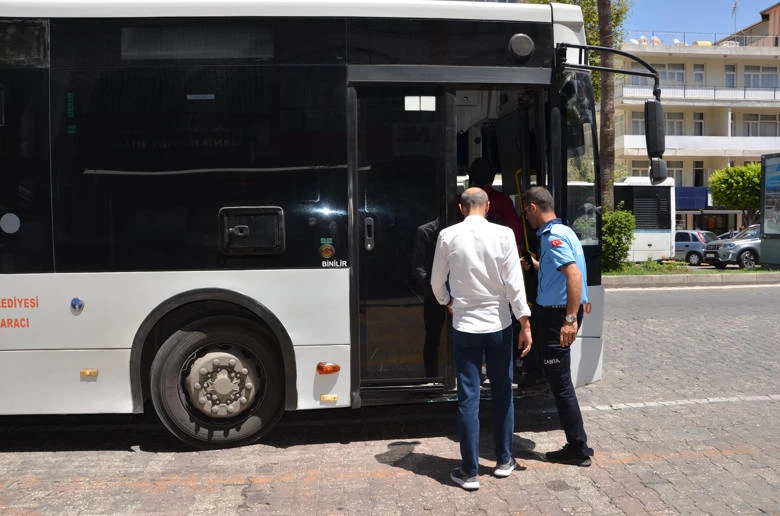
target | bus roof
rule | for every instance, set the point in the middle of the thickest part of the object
(417, 9)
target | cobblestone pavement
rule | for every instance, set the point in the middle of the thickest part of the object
(685, 421)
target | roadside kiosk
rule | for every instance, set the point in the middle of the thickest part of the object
(770, 210)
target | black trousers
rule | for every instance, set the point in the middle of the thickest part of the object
(546, 323)
(434, 315)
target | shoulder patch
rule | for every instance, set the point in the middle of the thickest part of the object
(555, 243)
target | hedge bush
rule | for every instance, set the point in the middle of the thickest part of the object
(617, 232)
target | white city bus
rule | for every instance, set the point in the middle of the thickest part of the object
(209, 208)
(653, 206)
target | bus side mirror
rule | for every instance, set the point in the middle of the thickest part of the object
(655, 138)
(658, 172)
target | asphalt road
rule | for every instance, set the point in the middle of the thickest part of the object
(684, 422)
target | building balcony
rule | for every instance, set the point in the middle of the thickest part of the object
(691, 41)
(698, 95)
(700, 146)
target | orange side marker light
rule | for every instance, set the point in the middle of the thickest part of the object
(328, 368)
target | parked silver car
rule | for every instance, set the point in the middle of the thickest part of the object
(744, 249)
(689, 245)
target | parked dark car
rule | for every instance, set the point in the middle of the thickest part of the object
(744, 249)
(689, 245)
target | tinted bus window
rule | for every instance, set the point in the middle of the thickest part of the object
(145, 157)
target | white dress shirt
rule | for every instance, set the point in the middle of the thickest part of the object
(481, 263)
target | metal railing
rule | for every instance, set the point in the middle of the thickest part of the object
(700, 39)
(686, 92)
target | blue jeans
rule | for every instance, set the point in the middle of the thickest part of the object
(468, 349)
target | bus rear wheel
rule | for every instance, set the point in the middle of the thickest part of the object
(218, 382)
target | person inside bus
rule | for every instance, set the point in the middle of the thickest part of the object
(477, 274)
(557, 315)
(434, 314)
(502, 209)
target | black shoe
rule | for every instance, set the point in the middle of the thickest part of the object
(568, 455)
(463, 480)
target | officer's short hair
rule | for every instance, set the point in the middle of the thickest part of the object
(539, 196)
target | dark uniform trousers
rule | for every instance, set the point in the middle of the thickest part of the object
(546, 323)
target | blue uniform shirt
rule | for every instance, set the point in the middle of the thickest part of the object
(559, 246)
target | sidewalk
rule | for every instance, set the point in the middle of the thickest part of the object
(694, 279)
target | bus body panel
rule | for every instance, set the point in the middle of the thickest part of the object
(312, 305)
(51, 382)
(93, 318)
(421, 9)
(651, 244)
(586, 360)
(317, 391)
(593, 320)
(654, 209)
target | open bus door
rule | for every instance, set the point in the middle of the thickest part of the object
(412, 143)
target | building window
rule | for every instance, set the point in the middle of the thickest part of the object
(675, 74)
(752, 76)
(699, 174)
(750, 124)
(671, 74)
(673, 123)
(675, 169)
(731, 76)
(767, 125)
(760, 76)
(698, 124)
(699, 77)
(769, 77)
(639, 168)
(637, 122)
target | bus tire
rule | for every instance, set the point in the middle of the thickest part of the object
(245, 355)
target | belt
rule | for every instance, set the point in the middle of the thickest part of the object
(552, 306)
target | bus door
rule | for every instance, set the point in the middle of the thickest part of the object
(406, 169)
(25, 213)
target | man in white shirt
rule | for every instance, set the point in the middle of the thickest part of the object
(477, 274)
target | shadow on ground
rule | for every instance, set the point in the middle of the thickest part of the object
(145, 431)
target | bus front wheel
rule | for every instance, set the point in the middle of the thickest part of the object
(218, 382)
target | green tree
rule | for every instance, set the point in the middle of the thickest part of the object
(603, 27)
(590, 14)
(738, 188)
(617, 233)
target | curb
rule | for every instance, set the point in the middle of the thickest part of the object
(691, 280)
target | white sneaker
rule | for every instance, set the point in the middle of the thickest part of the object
(504, 470)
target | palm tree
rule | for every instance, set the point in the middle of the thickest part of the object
(607, 130)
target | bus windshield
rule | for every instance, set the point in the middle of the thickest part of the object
(583, 193)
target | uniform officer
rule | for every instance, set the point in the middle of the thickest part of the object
(557, 315)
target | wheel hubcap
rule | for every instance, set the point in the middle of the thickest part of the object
(220, 385)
